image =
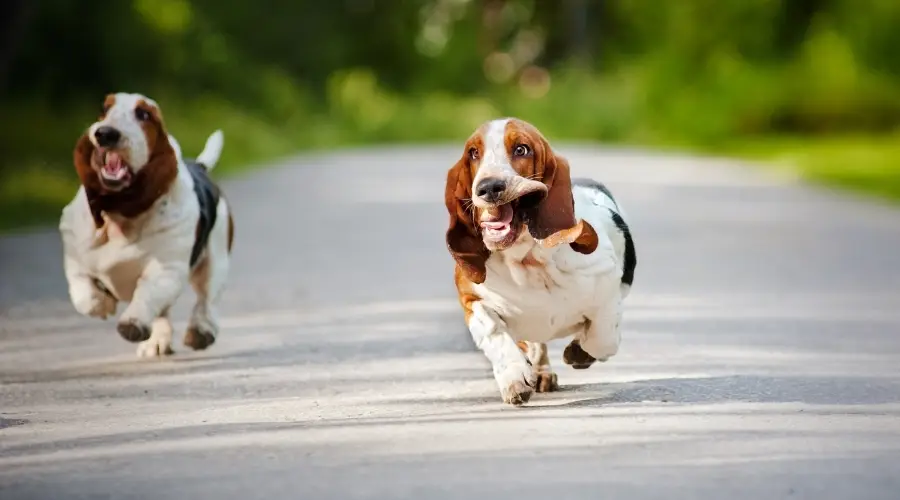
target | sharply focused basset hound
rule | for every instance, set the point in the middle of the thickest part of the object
(539, 256)
(143, 224)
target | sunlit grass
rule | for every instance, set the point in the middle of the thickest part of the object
(865, 164)
(34, 195)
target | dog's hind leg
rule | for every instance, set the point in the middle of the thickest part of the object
(536, 352)
(208, 280)
(601, 337)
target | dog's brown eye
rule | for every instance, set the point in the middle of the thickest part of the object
(141, 114)
(521, 150)
(473, 153)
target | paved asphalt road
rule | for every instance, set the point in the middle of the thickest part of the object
(760, 356)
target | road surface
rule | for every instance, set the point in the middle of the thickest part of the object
(760, 355)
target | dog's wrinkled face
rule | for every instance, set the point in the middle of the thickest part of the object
(124, 139)
(506, 158)
(125, 160)
(507, 180)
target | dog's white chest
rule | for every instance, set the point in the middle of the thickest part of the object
(545, 295)
(118, 254)
(115, 259)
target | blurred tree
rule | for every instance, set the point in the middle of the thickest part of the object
(578, 31)
(254, 53)
(14, 18)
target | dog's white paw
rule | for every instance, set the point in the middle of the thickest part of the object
(516, 382)
(95, 305)
(155, 347)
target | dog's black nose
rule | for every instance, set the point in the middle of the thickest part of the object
(490, 189)
(107, 137)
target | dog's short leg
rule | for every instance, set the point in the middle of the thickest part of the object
(536, 352)
(84, 294)
(160, 342)
(208, 280)
(602, 335)
(158, 288)
(514, 374)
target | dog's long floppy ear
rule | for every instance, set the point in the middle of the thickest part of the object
(84, 149)
(552, 220)
(463, 239)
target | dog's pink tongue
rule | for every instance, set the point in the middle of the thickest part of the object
(505, 217)
(113, 162)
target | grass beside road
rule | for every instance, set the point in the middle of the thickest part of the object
(864, 164)
(37, 177)
(34, 196)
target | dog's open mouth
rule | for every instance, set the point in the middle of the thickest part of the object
(114, 172)
(501, 224)
(497, 222)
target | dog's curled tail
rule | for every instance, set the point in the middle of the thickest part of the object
(212, 150)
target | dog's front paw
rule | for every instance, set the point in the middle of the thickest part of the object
(517, 383)
(88, 305)
(133, 331)
(95, 306)
(517, 393)
(155, 347)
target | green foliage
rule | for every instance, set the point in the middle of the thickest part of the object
(862, 163)
(284, 75)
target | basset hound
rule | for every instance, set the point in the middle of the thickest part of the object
(539, 256)
(143, 224)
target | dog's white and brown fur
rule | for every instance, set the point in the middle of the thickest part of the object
(143, 224)
(539, 256)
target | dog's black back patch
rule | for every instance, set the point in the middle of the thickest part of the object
(208, 197)
(630, 257)
(630, 254)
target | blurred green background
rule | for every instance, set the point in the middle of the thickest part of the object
(812, 84)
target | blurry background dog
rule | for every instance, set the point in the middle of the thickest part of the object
(143, 224)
